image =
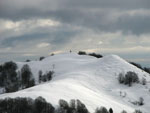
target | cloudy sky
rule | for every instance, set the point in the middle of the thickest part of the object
(33, 28)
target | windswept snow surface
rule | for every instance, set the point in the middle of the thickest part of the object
(91, 80)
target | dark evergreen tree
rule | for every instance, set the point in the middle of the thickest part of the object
(46, 77)
(82, 53)
(25, 105)
(136, 64)
(10, 66)
(1, 76)
(72, 104)
(28, 60)
(147, 70)
(41, 58)
(41, 106)
(27, 77)
(40, 76)
(95, 55)
(101, 110)
(81, 108)
(49, 75)
(110, 110)
(1, 68)
(2, 79)
(8, 77)
(63, 104)
(40, 103)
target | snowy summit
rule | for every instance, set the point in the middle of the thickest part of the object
(92, 80)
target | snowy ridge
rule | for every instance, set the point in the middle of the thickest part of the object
(91, 80)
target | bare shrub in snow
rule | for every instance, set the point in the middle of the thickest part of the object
(137, 111)
(124, 111)
(141, 101)
(121, 78)
(143, 81)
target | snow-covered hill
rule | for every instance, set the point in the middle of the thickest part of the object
(91, 80)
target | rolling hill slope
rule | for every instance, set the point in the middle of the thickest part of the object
(91, 80)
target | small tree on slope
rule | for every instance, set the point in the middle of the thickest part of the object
(27, 77)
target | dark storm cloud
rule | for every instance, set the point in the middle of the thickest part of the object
(13, 41)
(121, 4)
(58, 37)
(87, 13)
(137, 24)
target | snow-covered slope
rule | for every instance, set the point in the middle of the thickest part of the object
(91, 80)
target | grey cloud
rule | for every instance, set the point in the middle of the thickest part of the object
(77, 18)
(86, 13)
(126, 4)
(13, 41)
(57, 37)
